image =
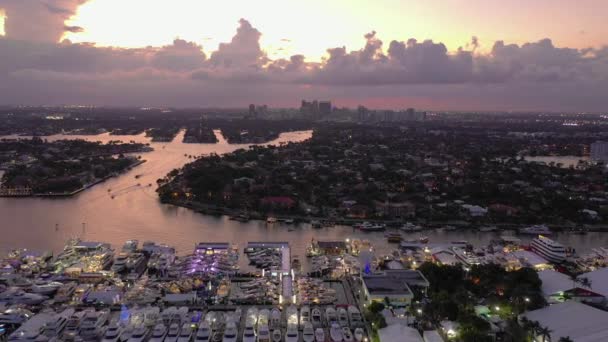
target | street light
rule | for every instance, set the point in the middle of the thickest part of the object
(419, 311)
(527, 299)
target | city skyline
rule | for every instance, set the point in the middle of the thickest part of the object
(550, 57)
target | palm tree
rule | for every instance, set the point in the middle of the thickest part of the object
(544, 332)
(585, 282)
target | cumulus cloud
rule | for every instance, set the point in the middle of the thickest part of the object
(38, 20)
(530, 74)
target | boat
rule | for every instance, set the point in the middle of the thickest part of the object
(394, 237)
(15, 316)
(536, 230)
(411, 228)
(359, 334)
(331, 316)
(173, 333)
(249, 333)
(230, 332)
(275, 318)
(276, 335)
(369, 227)
(158, 333)
(54, 327)
(203, 333)
(304, 316)
(92, 323)
(120, 263)
(347, 335)
(71, 328)
(354, 316)
(288, 221)
(551, 250)
(342, 317)
(140, 333)
(316, 224)
(112, 333)
(292, 334)
(316, 317)
(263, 333)
(271, 219)
(423, 239)
(45, 288)
(319, 335)
(488, 229)
(308, 333)
(335, 333)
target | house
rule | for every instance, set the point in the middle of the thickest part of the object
(395, 209)
(558, 286)
(399, 332)
(393, 285)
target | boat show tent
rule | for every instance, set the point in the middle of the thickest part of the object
(399, 333)
(599, 281)
(580, 322)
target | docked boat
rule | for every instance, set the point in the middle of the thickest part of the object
(54, 327)
(347, 335)
(342, 317)
(536, 230)
(230, 332)
(304, 316)
(335, 333)
(411, 228)
(249, 333)
(158, 333)
(359, 334)
(551, 250)
(92, 323)
(130, 246)
(488, 229)
(370, 227)
(423, 239)
(308, 333)
(112, 333)
(203, 333)
(292, 334)
(263, 333)
(173, 333)
(186, 332)
(319, 335)
(276, 335)
(120, 263)
(331, 316)
(271, 219)
(394, 237)
(354, 316)
(46, 288)
(140, 334)
(316, 317)
(316, 224)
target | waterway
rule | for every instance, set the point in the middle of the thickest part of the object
(119, 209)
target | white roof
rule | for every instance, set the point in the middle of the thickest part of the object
(582, 323)
(399, 333)
(599, 280)
(554, 282)
(432, 336)
(531, 258)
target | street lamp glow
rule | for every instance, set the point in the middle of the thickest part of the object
(419, 311)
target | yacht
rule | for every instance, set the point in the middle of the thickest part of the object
(342, 317)
(55, 326)
(292, 334)
(263, 333)
(335, 333)
(158, 333)
(536, 230)
(304, 316)
(203, 333)
(551, 250)
(271, 219)
(92, 323)
(185, 334)
(330, 315)
(411, 228)
(130, 246)
(275, 318)
(112, 333)
(347, 335)
(249, 333)
(230, 332)
(139, 334)
(46, 288)
(354, 316)
(18, 296)
(73, 324)
(135, 261)
(319, 335)
(120, 263)
(308, 333)
(370, 227)
(173, 333)
(15, 316)
(359, 334)
(316, 318)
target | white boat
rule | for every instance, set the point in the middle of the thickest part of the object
(92, 323)
(335, 333)
(316, 317)
(112, 333)
(308, 333)
(331, 316)
(263, 333)
(71, 328)
(292, 334)
(249, 333)
(342, 317)
(230, 332)
(46, 288)
(16, 316)
(276, 335)
(411, 228)
(185, 334)
(354, 316)
(158, 333)
(359, 334)
(275, 318)
(370, 227)
(319, 335)
(551, 250)
(130, 246)
(140, 334)
(304, 316)
(120, 263)
(271, 219)
(536, 230)
(173, 333)
(126, 333)
(54, 327)
(203, 333)
(347, 335)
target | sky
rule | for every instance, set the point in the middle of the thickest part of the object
(430, 54)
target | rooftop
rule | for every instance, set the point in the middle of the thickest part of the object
(381, 285)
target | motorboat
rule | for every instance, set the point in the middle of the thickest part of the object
(18, 296)
(203, 333)
(249, 333)
(71, 328)
(308, 333)
(342, 317)
(126, 333)
(411, 228)
(271, 219)
(331, 316)
(92, 323)
(304, 316)
(536, 230)
(173, 333)
(319, 335)
(292, 315)
(276, 335)
(371, 227)
(46, 288)
(158, 333)
(120, 263)
(292, 334)
(186, 332)
(112, 333)
(275, 318)
(263, 333)
(252, 316)
(316, 317)
(263, 317)
(335, 333)
(54, 327)
(140, 333)
(230, 332)
(130, 246)
(15, 316)
(354, 316)
(347, 335)
(359, 334)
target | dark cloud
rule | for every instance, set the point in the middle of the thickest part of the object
(73, 29)
(38, 20)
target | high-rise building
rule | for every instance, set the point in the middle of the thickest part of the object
(362, 114)
(599, 151)
(252, 112)
(325, 108)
